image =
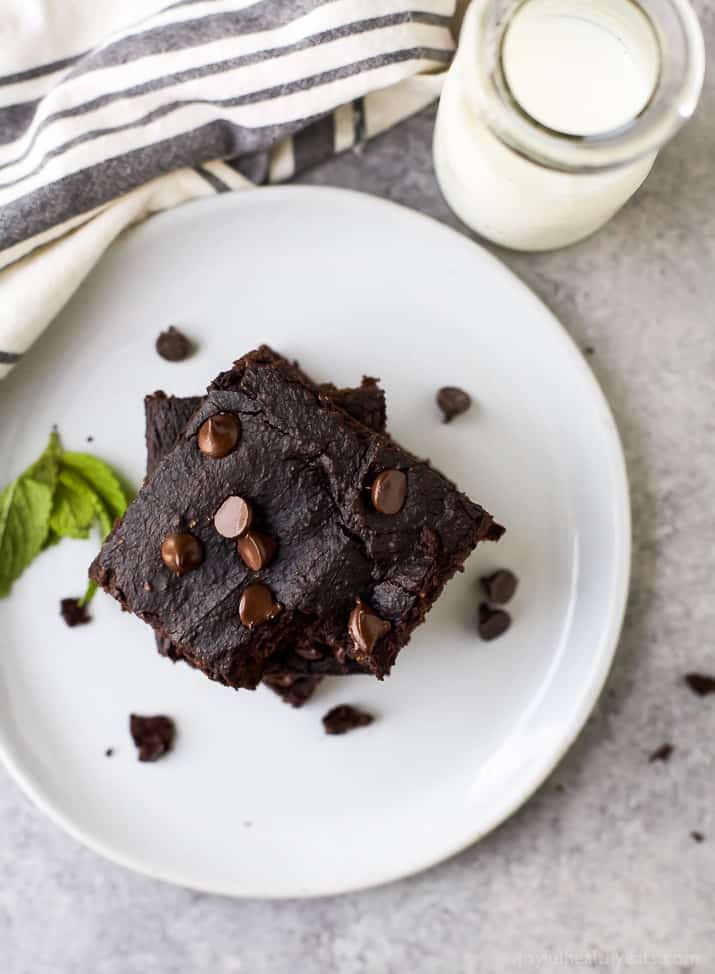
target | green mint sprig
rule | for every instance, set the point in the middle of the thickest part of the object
(61, 495)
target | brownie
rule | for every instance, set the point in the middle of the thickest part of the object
(166, 418)
(367, 535)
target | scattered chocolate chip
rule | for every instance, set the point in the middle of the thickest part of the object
(345, 718)
(74, 613)
(234, 517)
(309, 653)
(663, 753)
(492, 622)
(256, 550)
(153, 736)
(219, 435)
(109, 752)
(366, 628)
(258, 605)
(389, 491)
(700, 683)
(697, 836)
(453, 402)
(173, 345)
(500, 586)
(182, 552)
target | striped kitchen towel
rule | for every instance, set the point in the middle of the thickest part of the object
(112, 111)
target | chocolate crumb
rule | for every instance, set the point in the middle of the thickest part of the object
(74, 613)
(153, 736)
(109, 752)
(345, 718)
(560, 789)
(90, 439)
(663, 753)
(589, 350)
(697, 836)
(700, 683)
(492, 622)
(173, 345)
(453, 402)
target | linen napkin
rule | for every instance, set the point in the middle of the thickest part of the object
(110, 112)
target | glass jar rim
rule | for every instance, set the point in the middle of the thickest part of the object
(655, 125)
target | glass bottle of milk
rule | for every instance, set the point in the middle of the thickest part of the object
(553, 112)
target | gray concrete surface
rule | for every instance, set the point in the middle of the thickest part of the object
(599, 869)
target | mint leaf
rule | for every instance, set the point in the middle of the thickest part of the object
(101, 478)
(25, 507)
(73, 508)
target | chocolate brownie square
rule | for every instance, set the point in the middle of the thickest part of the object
(166, 418)
(356, 536)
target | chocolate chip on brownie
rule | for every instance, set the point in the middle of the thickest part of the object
(219, 435)
(173, 345)
(500, 586)
(182, 552)
(453, 402)
(258, 605)
(256, 550)
(492, 622)
(700, 683)
(233, 518)
(345, 718)
(74, 613)
(389, 491)
(153, 736)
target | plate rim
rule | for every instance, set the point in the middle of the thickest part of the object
(591, 691)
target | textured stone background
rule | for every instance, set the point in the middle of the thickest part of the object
(600, 862)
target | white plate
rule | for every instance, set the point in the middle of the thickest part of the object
(256, 800)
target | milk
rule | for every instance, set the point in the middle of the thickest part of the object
(576, 67)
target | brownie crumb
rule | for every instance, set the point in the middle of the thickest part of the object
(492, 622)
(697, 836)
(109, 752)
(173, 345)
(663, 753)
(453, 402)
(700, 683)
(90, 439)
(153, 736)
(345, 718)
(589, 350)
(74, 613)
(500, 586)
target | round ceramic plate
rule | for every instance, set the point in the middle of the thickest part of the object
(256, 800)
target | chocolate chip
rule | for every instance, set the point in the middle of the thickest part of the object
(153, 736)
(453, 402)
(74, 613)
(663, 753)
(492, 622)
(500, 586)
(182, 552)
(389, 491)
(233, 518)
(219, 435)
(366, 628)
(345, 718)
(256, 550)
(700, 683)
(697, 836)
(258, 605)
(173, 345)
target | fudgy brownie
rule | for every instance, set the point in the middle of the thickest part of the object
(166, 418)
(354, 537)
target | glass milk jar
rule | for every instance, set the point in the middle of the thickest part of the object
(553, 111)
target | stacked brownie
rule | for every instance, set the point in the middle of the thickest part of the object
(281, 535)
